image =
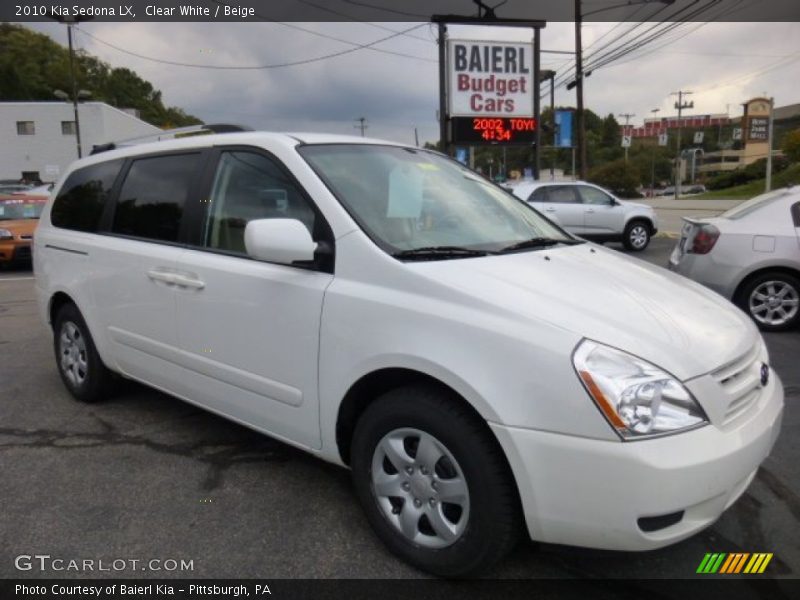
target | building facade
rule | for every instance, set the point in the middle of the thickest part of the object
(38, 141)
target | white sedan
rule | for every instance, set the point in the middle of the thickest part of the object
(591, 212)
(749, 254)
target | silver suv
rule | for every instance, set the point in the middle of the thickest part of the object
(591, 212)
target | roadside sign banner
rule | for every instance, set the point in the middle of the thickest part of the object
(563, 120)
(737, 133)
(698, 137)
(626, 141)
(662, 139)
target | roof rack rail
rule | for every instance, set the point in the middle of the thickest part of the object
(171, 134)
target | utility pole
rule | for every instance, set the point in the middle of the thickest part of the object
(416, 137)
(627, 120)
(680, 105)
(581, 121)
(768, 180)
(655, 112)
(362, 125)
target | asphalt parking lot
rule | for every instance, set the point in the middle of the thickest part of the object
(145, 476)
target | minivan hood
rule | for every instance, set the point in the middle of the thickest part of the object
(610, 298)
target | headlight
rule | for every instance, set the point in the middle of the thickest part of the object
(5, 234)
(638, 399)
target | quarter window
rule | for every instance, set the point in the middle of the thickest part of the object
(249, 186)
(80, 203)
(152, 198)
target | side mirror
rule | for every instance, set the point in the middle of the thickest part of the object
(282, 241)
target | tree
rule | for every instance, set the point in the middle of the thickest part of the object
(33, 66)
(621, 178)
(791, 145)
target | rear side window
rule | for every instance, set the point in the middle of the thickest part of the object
(80, 203)
(561, 195)
(538, 195)
(153, 195)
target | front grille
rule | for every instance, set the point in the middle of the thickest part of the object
(740, 381)
(22, 253)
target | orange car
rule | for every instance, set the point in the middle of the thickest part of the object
(19, 215)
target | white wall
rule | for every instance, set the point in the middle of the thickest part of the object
(100, 123)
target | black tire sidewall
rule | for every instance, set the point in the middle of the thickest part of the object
(92, 388)
(477, 547)
(744, 299)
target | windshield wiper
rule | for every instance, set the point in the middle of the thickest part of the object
(538, 242)
(439, 252)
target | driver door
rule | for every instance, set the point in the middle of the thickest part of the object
(249, 330)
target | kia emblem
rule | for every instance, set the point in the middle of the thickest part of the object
(764, 374)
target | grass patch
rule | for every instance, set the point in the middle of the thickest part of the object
(787, 177)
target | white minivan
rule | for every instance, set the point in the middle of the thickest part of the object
(480, 371)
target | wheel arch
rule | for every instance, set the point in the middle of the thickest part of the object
(372, 385)
(57, 300)
(761, 270)
(644, 218)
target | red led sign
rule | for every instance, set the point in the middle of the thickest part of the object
(494, 130)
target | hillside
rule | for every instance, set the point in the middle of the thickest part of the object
(32, 66)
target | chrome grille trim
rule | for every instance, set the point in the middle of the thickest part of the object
(740, 382)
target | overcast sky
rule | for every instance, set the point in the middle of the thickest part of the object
(723, 63)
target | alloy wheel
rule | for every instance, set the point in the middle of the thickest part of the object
(774, 303)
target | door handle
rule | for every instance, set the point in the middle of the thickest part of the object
(589, 210)
(549, 210)
(160, 275)
(188, 282)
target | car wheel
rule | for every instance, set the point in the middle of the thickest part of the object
(78, 362)
(636, 236)
(434, 483)
(772, 300)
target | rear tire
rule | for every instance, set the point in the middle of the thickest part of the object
(77, 360)
(636, 236)
(772, 300)
(434, 483)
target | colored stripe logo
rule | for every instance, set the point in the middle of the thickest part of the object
(735, 562)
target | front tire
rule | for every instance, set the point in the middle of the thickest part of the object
(434, 483)
(79, 364)
(636, 236)
(772, 300)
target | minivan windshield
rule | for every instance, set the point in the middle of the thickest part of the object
(418, 204)
(19, 209)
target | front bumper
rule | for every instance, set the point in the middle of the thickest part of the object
(15, 251)
(592, 493)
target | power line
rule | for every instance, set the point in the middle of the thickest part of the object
(355, 20)
(261, 67)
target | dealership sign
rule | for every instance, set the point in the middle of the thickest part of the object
(490, 79)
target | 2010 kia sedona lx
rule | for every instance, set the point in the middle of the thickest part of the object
(481, 371)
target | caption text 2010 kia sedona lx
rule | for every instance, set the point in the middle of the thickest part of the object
(482, 372)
